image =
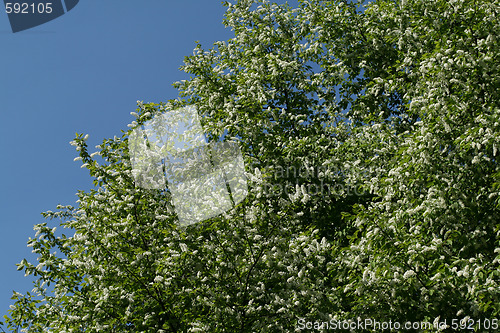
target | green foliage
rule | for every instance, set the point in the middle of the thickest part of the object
(370, 137)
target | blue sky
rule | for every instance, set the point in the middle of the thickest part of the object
(82, 72)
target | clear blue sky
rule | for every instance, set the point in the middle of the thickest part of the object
(82, 72)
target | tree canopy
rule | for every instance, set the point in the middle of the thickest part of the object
(369, 132)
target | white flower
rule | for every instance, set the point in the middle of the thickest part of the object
(408, 274)
(184, 247)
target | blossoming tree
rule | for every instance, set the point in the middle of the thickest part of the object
(370, 135)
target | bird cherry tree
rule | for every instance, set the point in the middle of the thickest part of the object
(369, 133)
